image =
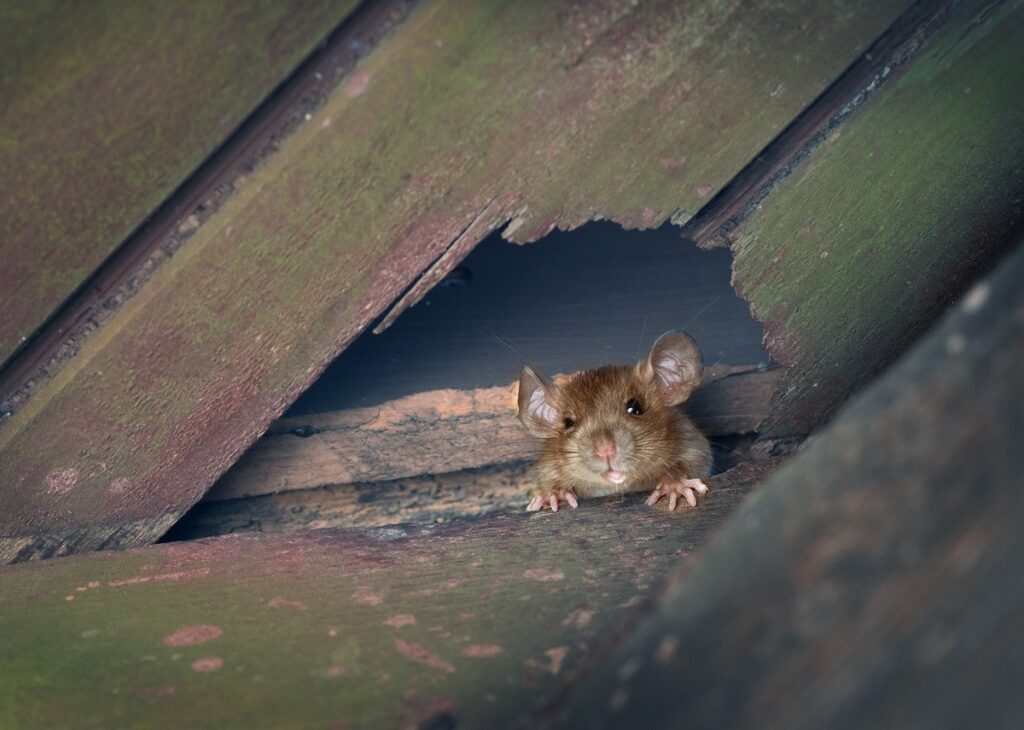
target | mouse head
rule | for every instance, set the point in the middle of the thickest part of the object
(614, 424)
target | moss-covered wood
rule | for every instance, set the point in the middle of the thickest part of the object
(892, 216)
(479, 621)
(107, 106)
(872, 582)
(473, 112)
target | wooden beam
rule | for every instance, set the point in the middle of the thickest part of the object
(444, 431)
(548, 114)
(108, 107)
(474, 623)
(881, 222)
(430, 499)
(885, 561)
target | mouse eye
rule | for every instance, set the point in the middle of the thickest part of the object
(634, 408)
(568, 423)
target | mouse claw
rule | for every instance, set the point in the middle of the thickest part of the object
(551, 500)
(688, 489)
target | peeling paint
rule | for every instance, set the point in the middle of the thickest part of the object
(478, 651)
(192, 635)
(207, 664)
(422, 655)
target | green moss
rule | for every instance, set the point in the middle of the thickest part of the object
(311, 624)
(107, 108)
(893, 215)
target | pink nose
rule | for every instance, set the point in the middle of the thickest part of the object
(604, 448)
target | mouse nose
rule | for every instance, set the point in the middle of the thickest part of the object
(604, 447)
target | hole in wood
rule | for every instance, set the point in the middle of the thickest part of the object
(418, 424)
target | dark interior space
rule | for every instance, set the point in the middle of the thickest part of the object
(573, 300)
(576, 299)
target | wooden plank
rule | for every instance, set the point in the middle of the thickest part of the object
(470, 624)
(885, 560)
(429, 499)
(107, 108)
(891, 216)
(444, 431)
(553, 113)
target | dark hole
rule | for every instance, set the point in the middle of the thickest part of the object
(588, 297)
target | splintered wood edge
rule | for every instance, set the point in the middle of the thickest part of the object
(445, 431)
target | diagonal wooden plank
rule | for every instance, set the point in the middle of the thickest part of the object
(556, 112)
(107, 107)
(889, 215)
(477, 622)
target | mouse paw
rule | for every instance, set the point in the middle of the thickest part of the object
(551, 499)
(688, 489)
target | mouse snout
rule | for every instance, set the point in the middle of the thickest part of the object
(604, 446)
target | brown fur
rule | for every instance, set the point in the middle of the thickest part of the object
(661, 443)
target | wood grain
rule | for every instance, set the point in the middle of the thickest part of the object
(891, 216)
(107, 108)
(430, 499)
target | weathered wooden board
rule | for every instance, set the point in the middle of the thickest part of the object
(892, 216)
(885, 563)
(472, 623)
(597, 294)
(107, 107)
(472, 113)
(428, 499)
(444, 431)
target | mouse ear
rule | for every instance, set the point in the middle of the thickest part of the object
(675, 366)
(538, 408)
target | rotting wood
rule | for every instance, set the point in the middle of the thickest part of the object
(885, 561)
(617, 111)
(445, 431)
(890, 218)
(92, 133)
(472, 623)
(432, 499)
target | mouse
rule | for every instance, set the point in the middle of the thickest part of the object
(619, 428)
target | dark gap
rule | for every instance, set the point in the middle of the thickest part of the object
(578, 299)
(573, 300)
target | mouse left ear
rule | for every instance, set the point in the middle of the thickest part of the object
(675, 366)
(538, 409)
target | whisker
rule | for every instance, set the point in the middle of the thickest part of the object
(502, 342)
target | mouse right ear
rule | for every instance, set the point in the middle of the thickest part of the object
(538, 409)
(675, 366)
